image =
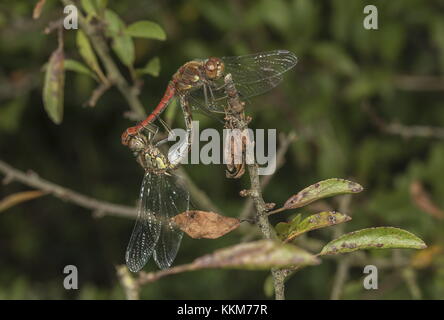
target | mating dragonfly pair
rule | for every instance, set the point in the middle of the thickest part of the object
(199, 85)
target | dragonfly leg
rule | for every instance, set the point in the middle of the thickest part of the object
(205, 88)
(163, 141)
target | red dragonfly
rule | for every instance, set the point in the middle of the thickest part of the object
(199, 83)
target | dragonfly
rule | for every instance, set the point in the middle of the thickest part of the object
(199, 84)
(161, 198)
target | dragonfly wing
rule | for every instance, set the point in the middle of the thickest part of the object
(176, 200)
(147, 227)
(254, 74)
(207, 106)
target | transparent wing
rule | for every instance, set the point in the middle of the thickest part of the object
(252, 74)
(147, 227)
(176, 200)
(256, 68)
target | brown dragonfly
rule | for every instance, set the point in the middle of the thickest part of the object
(199, 83)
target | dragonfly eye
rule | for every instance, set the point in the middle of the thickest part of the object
(213, 69)
(136, 143)
(220, 68)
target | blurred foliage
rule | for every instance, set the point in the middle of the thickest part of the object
(341, 66)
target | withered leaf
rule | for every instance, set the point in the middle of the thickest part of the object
(204, 224)
(257, 255)
(424, 258)
(19, 197)
(38, 9)
(53, 88)
(423, 200)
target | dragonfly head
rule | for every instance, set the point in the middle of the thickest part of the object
(214, 68)
(137, 143)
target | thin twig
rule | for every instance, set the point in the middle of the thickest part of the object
(129, 284)
(419, 83)
(97, 93)
(113, 73)
(33, 180)
(340, 278)
(409, 276)
(285, 142)
(343, 266)
(407, 132)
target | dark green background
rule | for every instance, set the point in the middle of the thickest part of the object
(341, 66)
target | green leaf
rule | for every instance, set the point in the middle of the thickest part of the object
(76, 66)
(101, 4)
(172, 110)
(323, 189)
(269, 286)
(257, 255)
(122, 43)
(373, 238)
(53, 87)
(146, 29)
(276, 13)
(343, 63)
(88, 54)
(93, 7)
(114, 25)
(320, 220)
(283, 229)
(123, 46)
(11, 113)
(89, 6)
(152, 68)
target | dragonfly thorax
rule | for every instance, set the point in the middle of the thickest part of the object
(152, 160)
(148, 156)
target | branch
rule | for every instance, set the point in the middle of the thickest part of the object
(129, 284)
(419, 83)
(31, 179)
(237, 120)
(285, 142)
(343, 266)
(404, 131)
(113, 74)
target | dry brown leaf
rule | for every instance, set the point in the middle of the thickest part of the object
(38, 9)
(257, 255)
(424, 258)
(423, 201)
(17, 198)
(204, 224)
